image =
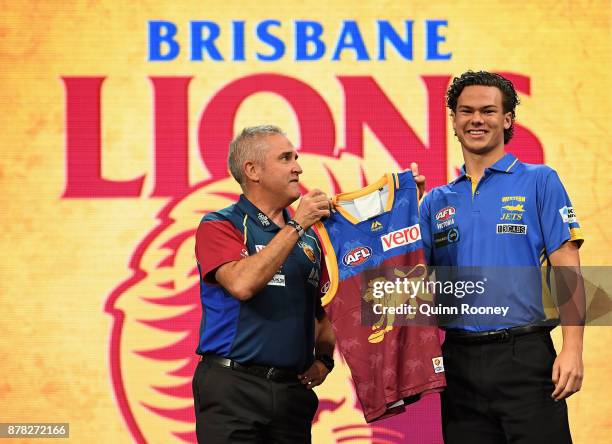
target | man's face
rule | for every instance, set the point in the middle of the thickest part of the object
(479, 119)
(280, 169)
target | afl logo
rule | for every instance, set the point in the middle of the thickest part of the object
(357, 256)
(445, 213)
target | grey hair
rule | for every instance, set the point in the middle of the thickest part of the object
(246, 147)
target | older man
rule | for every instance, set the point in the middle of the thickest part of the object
(264, 339)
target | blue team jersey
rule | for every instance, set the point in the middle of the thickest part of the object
(372, 236)
(276, 326)
(391, 230)
(510, 223)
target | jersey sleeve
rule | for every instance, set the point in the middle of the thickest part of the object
(557, 217)
(425, 225)
(217, 242)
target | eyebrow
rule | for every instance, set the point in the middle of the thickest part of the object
(471, 107)
(284, 153)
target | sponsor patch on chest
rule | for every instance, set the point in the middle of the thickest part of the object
(401, 237)
(446, 237)
(278, 280)
(511, 229)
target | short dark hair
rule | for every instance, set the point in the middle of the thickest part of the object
(483, 78)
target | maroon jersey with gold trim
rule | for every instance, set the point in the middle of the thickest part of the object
(373, 237)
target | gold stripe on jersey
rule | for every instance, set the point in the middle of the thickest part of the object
(331, 262)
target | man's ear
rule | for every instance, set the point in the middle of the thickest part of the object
(507, 120)
(452, 118)
(251, 171)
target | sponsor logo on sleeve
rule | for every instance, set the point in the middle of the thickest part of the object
(511, 229)
(446, 237)
(401, 237)
(357, 256)
(568, 215)
(445, 213)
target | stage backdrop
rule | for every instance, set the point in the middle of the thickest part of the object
(115, 123)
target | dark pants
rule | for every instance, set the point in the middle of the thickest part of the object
(500, 393)
(236, 407)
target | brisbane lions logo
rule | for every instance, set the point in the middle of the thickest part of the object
(156, 316)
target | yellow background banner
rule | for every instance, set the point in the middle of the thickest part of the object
(88, 281)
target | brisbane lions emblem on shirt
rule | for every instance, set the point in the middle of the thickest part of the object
(308, 251)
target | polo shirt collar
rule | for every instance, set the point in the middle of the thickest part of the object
(506, 164)
(258, 216)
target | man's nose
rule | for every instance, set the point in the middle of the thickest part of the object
(477, 117)
(297, 168)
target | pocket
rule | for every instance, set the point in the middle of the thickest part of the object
(533, 357)
(201, 386)
(549, 344)
(314, 403)
(307, 398)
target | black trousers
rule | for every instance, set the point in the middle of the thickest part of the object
(236, 407)
(500, 393)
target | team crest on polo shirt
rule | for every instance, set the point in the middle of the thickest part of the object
(512, 208)
(308, 251)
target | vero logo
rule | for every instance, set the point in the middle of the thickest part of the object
(403, 236)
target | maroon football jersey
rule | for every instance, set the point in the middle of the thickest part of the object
(394, 357)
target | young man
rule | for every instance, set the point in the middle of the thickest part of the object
(259, 279)
(505, 382)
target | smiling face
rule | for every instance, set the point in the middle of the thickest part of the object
(479, 119)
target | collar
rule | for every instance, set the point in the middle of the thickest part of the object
(506, 164)
(258, 216)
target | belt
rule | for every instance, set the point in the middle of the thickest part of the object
(275, 374)
(504, 335)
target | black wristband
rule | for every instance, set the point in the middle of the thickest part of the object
(298, 227)
(327, 361)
